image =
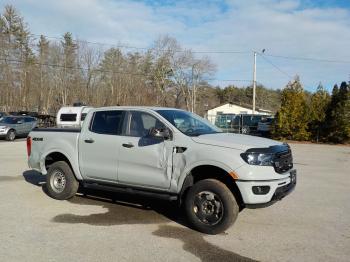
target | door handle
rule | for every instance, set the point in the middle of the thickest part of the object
(89, 141)
(128, 145)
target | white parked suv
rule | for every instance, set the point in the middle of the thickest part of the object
(166, 153)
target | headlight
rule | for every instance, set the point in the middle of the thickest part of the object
(258, 159)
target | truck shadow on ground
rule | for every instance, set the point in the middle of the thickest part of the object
(34, 177)
(122, 209)
(195, 243)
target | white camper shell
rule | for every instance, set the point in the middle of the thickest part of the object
(71, 116)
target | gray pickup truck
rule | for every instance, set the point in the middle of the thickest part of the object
(166, 153)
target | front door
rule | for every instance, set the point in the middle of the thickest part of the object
(143, 160)
(98, 146)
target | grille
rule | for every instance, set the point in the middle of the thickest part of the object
(283, 161)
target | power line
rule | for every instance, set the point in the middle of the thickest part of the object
(310, 59)
(203, 51)
(148, 48)
(275, 66)
(199, 51)
(228, 80)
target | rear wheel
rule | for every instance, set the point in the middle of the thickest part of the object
(11, 135)
(245, 130)
(61, 183)
(210, 206)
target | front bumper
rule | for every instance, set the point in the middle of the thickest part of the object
(3, 132)
(278, 189)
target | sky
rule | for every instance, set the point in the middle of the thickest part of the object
(228, 30)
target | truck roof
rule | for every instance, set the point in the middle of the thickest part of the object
(154, 108)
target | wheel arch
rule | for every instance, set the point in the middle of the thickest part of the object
(206, 171)
(55, 156)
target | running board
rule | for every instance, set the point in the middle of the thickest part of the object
(129, 190)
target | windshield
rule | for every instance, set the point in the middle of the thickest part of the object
(9, 120)
(188, 123)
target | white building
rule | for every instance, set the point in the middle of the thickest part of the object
(230, 108)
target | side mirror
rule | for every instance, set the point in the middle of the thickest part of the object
(20, 122)
(159, 133)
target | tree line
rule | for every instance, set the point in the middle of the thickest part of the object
(315, 117)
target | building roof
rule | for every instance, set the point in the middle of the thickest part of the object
(243, 106)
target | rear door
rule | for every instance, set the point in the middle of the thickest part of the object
(98, 146)
(29, 123)
(144, 161)
(20, 126)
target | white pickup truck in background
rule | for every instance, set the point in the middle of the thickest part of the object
(166, 153)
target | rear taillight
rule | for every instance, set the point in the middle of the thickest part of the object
(29, 145)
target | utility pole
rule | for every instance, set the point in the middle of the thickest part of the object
(193, 87)
(254, 82)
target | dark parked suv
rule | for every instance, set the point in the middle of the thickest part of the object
(239, 123)
(16, 126)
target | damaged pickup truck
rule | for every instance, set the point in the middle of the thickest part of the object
(166, 153)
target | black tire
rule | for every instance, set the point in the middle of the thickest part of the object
(61, 183)
(11, 135)
(223, 210)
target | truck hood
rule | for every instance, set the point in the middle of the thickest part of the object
(235, 141)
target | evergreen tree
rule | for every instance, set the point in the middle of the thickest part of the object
(292, 118)
(318, 106)
(338, 114)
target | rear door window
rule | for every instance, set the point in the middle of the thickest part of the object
(29, 119)
(107, 122)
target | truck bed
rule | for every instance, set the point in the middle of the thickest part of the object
(61, 140)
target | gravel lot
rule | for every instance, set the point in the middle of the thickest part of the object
(311, 224)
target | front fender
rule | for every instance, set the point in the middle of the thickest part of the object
(188, 169)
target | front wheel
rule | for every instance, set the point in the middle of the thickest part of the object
(11, 135)
(210, 207)
(61, 183)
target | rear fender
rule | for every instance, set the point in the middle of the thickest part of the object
(71, 163)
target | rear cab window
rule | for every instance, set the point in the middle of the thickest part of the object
(107, 122)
